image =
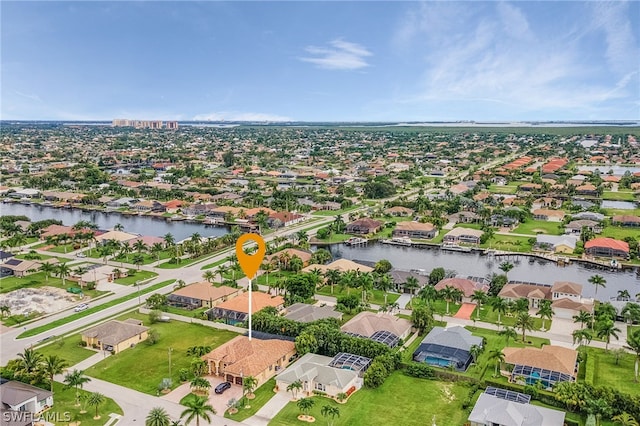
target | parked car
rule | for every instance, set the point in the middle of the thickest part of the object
(222, 387)
(81, 255)
(81, 307)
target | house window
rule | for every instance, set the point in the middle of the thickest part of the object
(320, 387)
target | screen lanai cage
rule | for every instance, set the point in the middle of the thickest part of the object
(347, 361)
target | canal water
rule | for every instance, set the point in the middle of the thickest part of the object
(144, 225)
(539, 271)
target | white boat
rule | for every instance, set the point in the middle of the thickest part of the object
(399, 241)
(354, 241)
(454, 247)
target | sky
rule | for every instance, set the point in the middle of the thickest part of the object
(320, 61)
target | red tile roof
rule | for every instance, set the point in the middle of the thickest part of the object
(608, 243)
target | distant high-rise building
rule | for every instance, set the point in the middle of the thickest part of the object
(142, 124)
(172, 125)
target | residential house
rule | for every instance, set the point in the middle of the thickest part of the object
(500, 220)
(530, 187)
(341, 265)
(202, 294)
(575, 227)
(22, 398)
(316, 374)
(119, 236)
(280, 219)
(587, 189)
(556, 243)
(607, 247)
(302, 312)
(413, 229)
(25, 193)
(492, 410)
(4, 256)
(531, 291)
(22, 268)
(364, 226)
(567, 308)
(124, 202)
(463, 217)
(444, 347)
(225, 211)
(548, 215)
(463, 235)
(467, 286)
(597, 217)
(625, 220)
(200, 209)
(399, 211)
(235, 311)
(548, 365)
(400, 278)
(378, 326)
(241, 357)
(289, 253)
(116, 336)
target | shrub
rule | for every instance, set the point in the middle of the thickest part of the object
(83, 343)
(153, 337)
(154, 316)
(183, 373)
(422, 371)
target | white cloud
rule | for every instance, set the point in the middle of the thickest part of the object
(514, 22)
(342, 55)
(240, 116)
(622, 47)
(33, 97)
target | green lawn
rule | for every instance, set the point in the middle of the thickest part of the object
(37, 280)
(401, 400)
(607, 373)
(67, 348)
(126, 368)
(503, 189)
(614, 212)
(334, 212)
(64, 402)
(263, 394)
(335, 238)
(487, 314)
(91, 310)
(195, 313)
(376, 299)
(533, 227)
(618, 232)
(618, 196)
(137, 276)
(63, 248)
(508, 243)
(214, 264)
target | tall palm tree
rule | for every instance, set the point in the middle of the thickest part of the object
(197, 408)
(582, 336)
(63, 270)
(450, 294)
(249, 384)
(157, 416)
(48, 269)
(524, 322)
(412, 284)
(209, 276)
(30, 360)
(196, 238)
(294, 388)
(155, 250)
(96, 399)
(625, 419)
(597, 281)
(330, 411)
(140, 246)
(118, 227)
(53, 365)
(479, 297)
(605, 329)
(428, 294)
(506, 267)
(365, 283)
(497, 356)
(499, 305)
(76, 379)
(583, 317)
(545, 311)
(508, 333)
(633, 344)
(333, 277)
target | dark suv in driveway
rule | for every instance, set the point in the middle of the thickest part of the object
(222, 387)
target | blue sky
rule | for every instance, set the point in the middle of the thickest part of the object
(320, 61)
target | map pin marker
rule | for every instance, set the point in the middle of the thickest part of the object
(250, 263)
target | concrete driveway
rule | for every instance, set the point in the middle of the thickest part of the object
(219, 402)
(563, 327)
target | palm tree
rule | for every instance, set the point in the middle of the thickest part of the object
(53, 365)
(249, 383)
(140, 246)
(479, 297)
(545, 311)
(305, 404)
(158, 416)
(499, 305)
(583, 317)
(365, 283)
(497, 356)
(475, 351)
(197, 408)
(625, 419)
(582, 336)
(428, 294)
(196, 238)
(450, 294)
(508, 333)
(76, 379)
(333, 277)
(597, 281)
(524, 322)
(138, 260)
(506, 267)
(633, 344)
(30, 360)
(48, 269)
(412, 284)
(200, 384)
(606, 329)
(118, 227)
(294, 388)
(155, 250)
(330, 411)
(209, 276)
(96, 399)
(169, 240)
(63, 270)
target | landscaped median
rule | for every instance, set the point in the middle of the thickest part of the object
(92, 310)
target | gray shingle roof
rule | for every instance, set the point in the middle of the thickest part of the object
(302, 312)
(492, 410)
(454, 337)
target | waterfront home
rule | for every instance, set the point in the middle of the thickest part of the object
(625, 220)
(224, 211)
(463, 217)
(341, 265)
(530, 187)
(413, 229)
(363, 226)
(399, 211)
(467, 286)
(444, 347)
(316, 374)
(548, 365)
(492, 410)
(530, 291)
(566, 308)
(202, 294)
(302, 312)
(236, 310)
(597, 217)
(587, 189)
(280, 219)
(25, 193)
(119, 236)
(400, 278)
(548, 215)
(22, 398)
(241, 357)
(575, 227)
(116, 336)
(463, 235)
(120, 203)
(556, 243)
(378, 326)
(287, 254)
(607, 247)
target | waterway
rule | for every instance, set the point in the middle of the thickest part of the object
(620, 205)
(615, 170)
(144, 225)
(473, 264)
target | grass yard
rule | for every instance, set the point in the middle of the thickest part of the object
(67, 348)
(487, 314)
(607, 373)
(618, 196)
(618, 232)
(263, 394)
(63, 248)
(533, 227)
(334, 238)
(126, 368)
(377, 295)
(37, 280)
(508, 243)
(326, 213)
(503, 189)
(401, 400)
(214, 264)
(614, 212)
(64, 402)
(137, 276)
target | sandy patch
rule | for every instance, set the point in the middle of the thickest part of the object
(539, 231)
(43, 299)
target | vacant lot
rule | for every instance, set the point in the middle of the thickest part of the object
(533, 227)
